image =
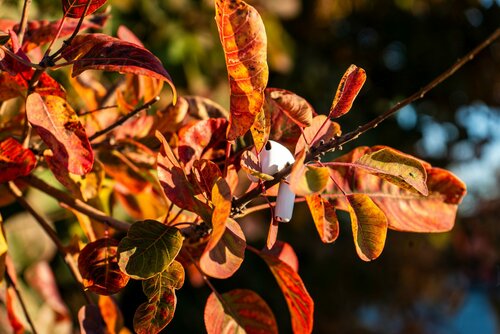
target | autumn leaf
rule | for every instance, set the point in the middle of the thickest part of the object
(369, 226)
(324, 217)
(123, 171)
(261, 129)
(300, 303)
(285, 253)
(15, 160)
(221, 200)
(106, 53)
(151, 317)
(241, 311)
(294, 106)
(250, 164)
(349, 87)
(17, 85)
(76, 8)
(244, 42)
(307, 180)
(321, 129)
(148, 249)
(90, 320)
(224, 258)
(98, 265)
(3, 250)
(111, 314)
(58, 126)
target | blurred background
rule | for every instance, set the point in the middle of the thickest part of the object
(422, 283)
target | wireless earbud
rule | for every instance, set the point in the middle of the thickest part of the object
(273, 158)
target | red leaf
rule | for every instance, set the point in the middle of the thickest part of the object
(98, 265)
(300, 304)
(348, 89)
(284, 252)
(17, 85)
(125, 34)
(15, 160)
(76, 8)
(244, 42)
(242, 311)
(106, 53)
(224, 258)
(321, 129)
(58, 125)
(15, 323)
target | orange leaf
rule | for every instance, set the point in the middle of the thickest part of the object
(261, 129)
(15, 160)
(225, 257)
(369, 226)
(58, 125)
(307, 180)
(285, 253)
(15, 322)
(300, 304)
(324, 217)
(123, 171)
(111, 314)
(321, 129)
(221, 199)
(244, 42)
(242, 311)
(349, 87)
(294, 106)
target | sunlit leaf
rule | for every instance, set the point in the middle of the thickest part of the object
(307, 180)
(349, 87)
(98, 265)
(225, 257)
(250, 164)
(111, 314)
(17, 326)
(3, 250)
(261, 129)
(244, 42)
(150, 203)
(284, 252)
(401, 169)
(152, 316)
(15, 160)
(324, 217)
(90, 320)
(221, 199)
(123, 171)
(148, 249)
(58, 125)
(76, 8)
(321, 129)
(300, 303)
(294, 106)
(369, 226)
(106, 53)
(242, 311)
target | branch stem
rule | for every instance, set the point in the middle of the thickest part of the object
(13, 284)
(24, 21)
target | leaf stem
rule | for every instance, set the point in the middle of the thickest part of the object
(24, 20)
(13, 284)
(125, 118)
(76, 204)
(337, 142)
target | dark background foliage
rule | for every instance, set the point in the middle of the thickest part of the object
(444, 283)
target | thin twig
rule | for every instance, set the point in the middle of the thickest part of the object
(16, 192)
(13, 284)
(19, 59)
(125, 118)
(76, 204)
(337, 142)
(24, 21)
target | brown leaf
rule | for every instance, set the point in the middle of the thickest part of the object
(348, 89)
(15, 160)
(321, 129)
(76, 8)
(58, 125)
(98, 265)
(225, 257)
(294, 106)
(324, 217)
(244, 42)
(242, 311)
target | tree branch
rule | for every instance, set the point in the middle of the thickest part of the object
(337, 142)
(24, 21)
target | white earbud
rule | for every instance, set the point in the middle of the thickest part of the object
(273, 158)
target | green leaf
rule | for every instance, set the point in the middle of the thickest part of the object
(398, 168)
(307, 180)
(242, 311)
(369, 226)
(148, 249)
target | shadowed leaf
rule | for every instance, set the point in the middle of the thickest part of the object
(17, 85)
(224, 258)
(242, 311)
(250, 164)
(123, 171)
(300, 303)
(307, 180)
(15, 160)
(321, 129)
(98, 265)
(148, 249)
(369, 226)
(76, 8)
(151, 317)
(324, 217)
(401, 169)
(349, 87)
(91, 321)
(284, 252)
(244, 42)
(106, 53)
(58, 125)
(294, 106)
